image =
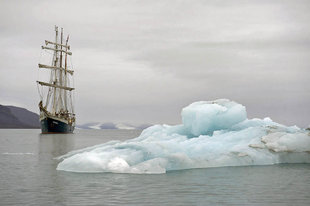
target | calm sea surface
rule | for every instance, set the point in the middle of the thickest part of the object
(28, 176)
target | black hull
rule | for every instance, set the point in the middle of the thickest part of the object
(50, 125)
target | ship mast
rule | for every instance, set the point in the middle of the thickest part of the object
(66, 106)
(60, 73)
(55, 64)
(59, 84)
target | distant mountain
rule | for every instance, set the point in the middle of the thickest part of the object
(17, 117)
(110, 125)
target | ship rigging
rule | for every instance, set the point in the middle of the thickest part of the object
(56, 107)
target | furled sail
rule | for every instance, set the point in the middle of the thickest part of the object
(56, 86)
(58, 50)
(54, 67)
(63, 45)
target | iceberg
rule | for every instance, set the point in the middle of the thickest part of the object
(212, 134)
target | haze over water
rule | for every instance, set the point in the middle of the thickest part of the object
(28, 176)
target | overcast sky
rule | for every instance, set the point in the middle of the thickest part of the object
(143, 61)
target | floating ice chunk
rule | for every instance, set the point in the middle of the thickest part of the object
(205, 117)
(213, 134)
(286, 142)
(152, 166)
(118, 164)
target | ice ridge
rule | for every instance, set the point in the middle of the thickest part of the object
(213, 134)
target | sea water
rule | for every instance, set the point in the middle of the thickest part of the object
(28, 176)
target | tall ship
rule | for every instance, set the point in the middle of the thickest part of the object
(56, 92)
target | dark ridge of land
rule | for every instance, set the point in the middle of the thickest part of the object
(18, 118)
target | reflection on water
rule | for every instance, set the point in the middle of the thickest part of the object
(46, 179)
(56, 144)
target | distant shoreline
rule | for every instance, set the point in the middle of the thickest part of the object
(12, 117)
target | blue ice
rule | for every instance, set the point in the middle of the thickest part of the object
(213, 134)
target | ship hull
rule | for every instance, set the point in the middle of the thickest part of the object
(52, 125)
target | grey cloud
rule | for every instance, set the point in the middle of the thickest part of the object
(142, 61)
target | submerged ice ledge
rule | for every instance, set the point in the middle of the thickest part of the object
(213, 134)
